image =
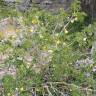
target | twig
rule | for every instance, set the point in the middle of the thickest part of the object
(66, 25)
(50, 94)
(72, 85)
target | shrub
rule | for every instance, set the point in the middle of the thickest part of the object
(46, 55)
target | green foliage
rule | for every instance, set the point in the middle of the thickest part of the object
(45, 62)
(9, 84)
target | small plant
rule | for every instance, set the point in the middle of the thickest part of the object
(44, 54)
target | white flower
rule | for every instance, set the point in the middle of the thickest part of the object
(31, 30)
(50, 51)
(76, 19)
(14, 36)
(21, 89)
(41, 36)
(20, 19)
(68, 17)
(57, 34)
(9, 94)
(28, 66)
(16, 88)
(58, 42)
(64, 43)
(72, 21)
(66, 31)
(94, 69)
(84, 39)
(19, 58)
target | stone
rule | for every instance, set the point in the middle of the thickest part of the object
(24, 5)
(79, 64)
(10, 0)
(7, 27)
(53, 5)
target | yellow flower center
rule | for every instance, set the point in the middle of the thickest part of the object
(35, 21)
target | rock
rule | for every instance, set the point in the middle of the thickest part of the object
(10, 0)
(24, 5)
(83, 63)
(7, 71)
(36, 1)
(87, 5)
(7, 27)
